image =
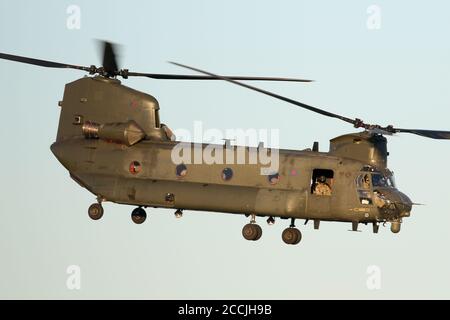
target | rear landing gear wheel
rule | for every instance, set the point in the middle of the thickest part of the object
(138, 215)
(95, 211)
(259, 232)
(252, 232)
(291, 235)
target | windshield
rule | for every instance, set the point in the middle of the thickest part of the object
(379, 180)
(372, 177)
(392, 181)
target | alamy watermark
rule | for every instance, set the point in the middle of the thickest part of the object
(248, 147)
(373, 281)
(73, 21)
(73, 281)
(374, 17)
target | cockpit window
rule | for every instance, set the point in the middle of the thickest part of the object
(384, 178)
(363, 187)
(379, 180)
(391, 180)
(363, 181)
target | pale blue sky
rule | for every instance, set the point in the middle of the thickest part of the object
(397, 75)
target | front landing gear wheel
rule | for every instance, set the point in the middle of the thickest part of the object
(252, 232)
(138, 215)
(95, 211)
(291, 235)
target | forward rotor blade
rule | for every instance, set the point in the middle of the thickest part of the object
(277, 96)
(433, 134)
(41, 63)
(195, 77)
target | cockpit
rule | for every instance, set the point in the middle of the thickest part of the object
(370, 183)
(383, 180)
(377, 188)
(370, 177)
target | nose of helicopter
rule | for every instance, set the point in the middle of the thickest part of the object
(404, 207)
(397, 203)
(404, 204)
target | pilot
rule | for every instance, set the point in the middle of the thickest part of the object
(321, 187)
(366, 182)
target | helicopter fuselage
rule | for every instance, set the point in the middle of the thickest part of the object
(144, 175)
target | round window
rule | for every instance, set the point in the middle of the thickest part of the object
(227, 174)
(274, 178)
(135, 167)
(181, 170)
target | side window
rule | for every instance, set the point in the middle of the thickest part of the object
(364, 197)
(363, 181)
(363, 186)
(322, 182)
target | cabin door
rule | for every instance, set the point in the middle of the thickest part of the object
(319, 200)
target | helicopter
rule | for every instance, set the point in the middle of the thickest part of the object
(112, 142)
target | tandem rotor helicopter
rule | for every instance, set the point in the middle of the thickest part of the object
(112, 142)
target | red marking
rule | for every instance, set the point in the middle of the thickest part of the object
(135, 167)
(134, 103)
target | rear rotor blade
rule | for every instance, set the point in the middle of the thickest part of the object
(41, 63)
(196, 77)
(111, 69)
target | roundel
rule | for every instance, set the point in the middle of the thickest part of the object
(135, 167)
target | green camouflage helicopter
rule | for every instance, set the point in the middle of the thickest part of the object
(112, 142)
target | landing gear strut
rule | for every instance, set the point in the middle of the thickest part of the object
(252, 231)
(291, 235)
(178, 213)
(375, 227)
(138, 215)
